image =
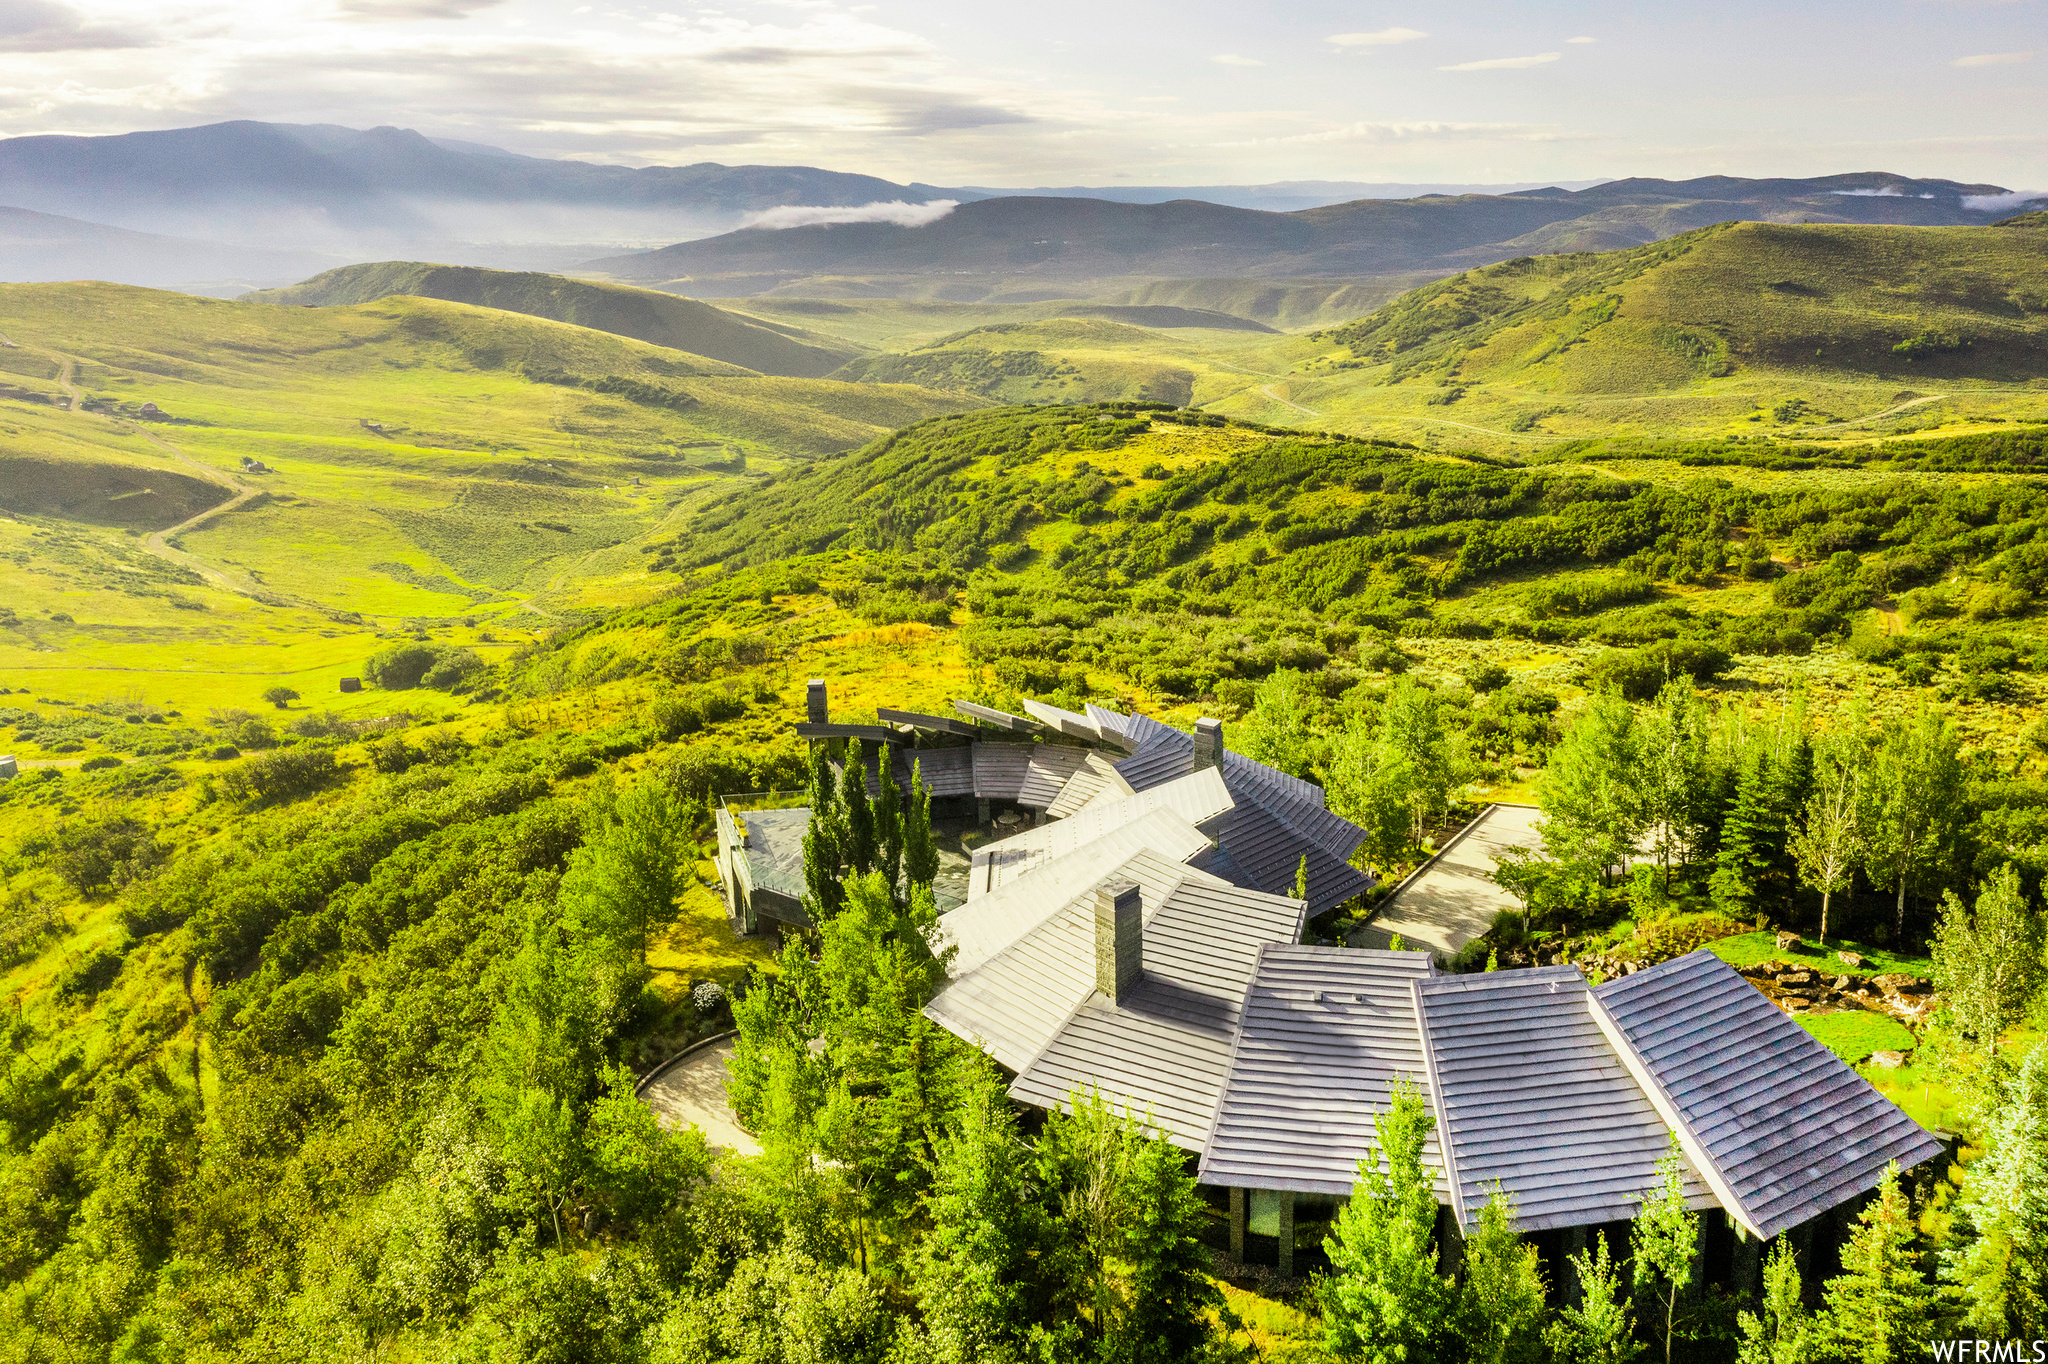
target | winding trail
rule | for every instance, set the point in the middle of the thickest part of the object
(158, 542)
(1889, 411)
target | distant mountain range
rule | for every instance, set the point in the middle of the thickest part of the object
(1003, 246)
(207, 207)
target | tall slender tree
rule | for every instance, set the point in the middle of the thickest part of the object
(1593, 808)
(857, 811)
(1673, 754)
(1916, 813)
(1780, 1331)
(920, 853)
(979, 1275)
(1828, 843)
(1663, 1242)
(1749, 834)
(1599, 1328)
(889, 828)
(1999, 1257)
(1499, 1316)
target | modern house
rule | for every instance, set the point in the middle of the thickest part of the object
(1058, 779)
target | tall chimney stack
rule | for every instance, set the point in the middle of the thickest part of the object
(1119, 938)
(1208, 743)
(814, 700)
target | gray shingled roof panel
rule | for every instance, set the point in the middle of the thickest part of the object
(1325, 1032)
(1268, 853)
(1784, 1126)
(946, 771)
(1166, 1050)
(1534, 1096)
(1160, 758)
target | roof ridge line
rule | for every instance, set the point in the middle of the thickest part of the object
(1667, 1109)
(1446, 1147)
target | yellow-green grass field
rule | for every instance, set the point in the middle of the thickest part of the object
(418, 476)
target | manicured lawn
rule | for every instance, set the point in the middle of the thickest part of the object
(701, 945)
(1750, 948)
(1856, 1033)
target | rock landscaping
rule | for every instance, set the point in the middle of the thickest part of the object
(1798, 988)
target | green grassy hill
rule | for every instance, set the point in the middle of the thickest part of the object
(643, 314)
(1712, 332)
(429, 467)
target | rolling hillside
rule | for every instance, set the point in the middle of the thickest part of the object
(997, 246)
(643, 314)
(1743, 328)
(430, 466)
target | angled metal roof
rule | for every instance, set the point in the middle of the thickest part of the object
(1323, 1034)
(1170, 814)
(1532, 1094)
(938, 724)
(1166, 1050)
(1160, 830)
(1268, 854)
(1065, 721)
(1001, 719)
(985, 926)
(1095, 778)
(1110, 725)
(1030, 774)
(1013, 1002)
(1780, 1126)
(1160, 758)
(946, 771)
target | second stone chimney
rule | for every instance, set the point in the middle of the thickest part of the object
(814, 701)
(1208, 744)
(1119, 938)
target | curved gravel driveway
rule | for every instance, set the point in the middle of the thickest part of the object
(691, 1093)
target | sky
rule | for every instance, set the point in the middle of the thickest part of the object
(1083, 92)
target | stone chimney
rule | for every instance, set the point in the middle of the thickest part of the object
(1119, 938)
(814, 700)
(1208, 744)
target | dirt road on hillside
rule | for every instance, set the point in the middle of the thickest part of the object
(158, 542)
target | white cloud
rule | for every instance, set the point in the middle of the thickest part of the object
(1232, 59)
(2002, 203)
(895, 211)
(1386, 37)
(1582, 40)
(413, 9)
(46, 26)
(1504, 63)
(1993, 59)
(1416, 130)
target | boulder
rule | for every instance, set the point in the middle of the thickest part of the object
(1843, 982)
(1888, 1060)
(1849, 959)
(1789, 942)
(1899, 983)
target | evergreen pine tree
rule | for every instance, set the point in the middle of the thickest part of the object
(1748, 836)
(1301, 879)
(1598, 1328)
(823, 867)
(857, 812)
(977, 1275)
(920, 853)
(1880, 1308)
(889, 829)
(1168, 1291)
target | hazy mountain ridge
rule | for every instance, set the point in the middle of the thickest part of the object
(644, 315)
(1050, 239)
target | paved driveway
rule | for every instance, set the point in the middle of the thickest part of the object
(691, 1093)
(1454, 901)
